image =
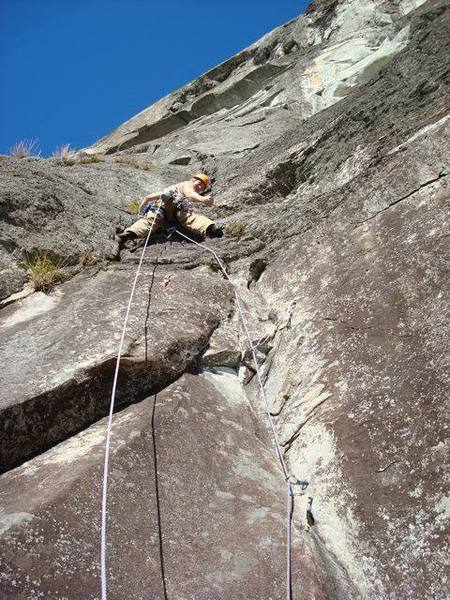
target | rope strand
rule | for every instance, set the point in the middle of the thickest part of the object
(109, 426)
(287, 476)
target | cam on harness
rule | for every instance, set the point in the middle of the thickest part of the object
(172, 201)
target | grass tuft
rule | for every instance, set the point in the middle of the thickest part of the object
(63, 151)
(133, 162)
(68, 159)
(236, 229)
(133, 207)
(44, 272)
(92, 158)
(25, 148)
(88, 259)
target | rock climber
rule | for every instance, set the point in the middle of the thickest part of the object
(176, 207)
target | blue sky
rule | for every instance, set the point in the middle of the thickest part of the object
(71, 71)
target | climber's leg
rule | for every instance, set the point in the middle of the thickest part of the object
(214, 231)
(195, 222)
(141, 228)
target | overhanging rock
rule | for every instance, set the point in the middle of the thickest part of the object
(59, 352)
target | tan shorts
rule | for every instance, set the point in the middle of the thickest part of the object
(194, 222)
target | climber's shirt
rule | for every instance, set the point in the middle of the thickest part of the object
(178, 196)
(173, 200)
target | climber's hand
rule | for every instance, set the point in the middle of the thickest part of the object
(208, 200)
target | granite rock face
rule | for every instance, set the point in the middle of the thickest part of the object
(190, 500)
(65, 210)
(65, 346)
(327, 142)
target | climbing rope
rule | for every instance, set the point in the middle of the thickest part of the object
(109, 427)
(289, 479)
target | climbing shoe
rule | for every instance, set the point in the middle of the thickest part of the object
(214, 231)
(125, 236)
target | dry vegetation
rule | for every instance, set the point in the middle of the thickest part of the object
(44, 272)
(24, 148)
(236, 229)
(64, 151)
(70, 160)
(88, 259)
(133, 162)
(133, 207)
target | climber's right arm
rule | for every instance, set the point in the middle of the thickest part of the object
(147, 199)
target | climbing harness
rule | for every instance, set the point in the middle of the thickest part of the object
(179, 201)
(159, 213)
(290, 479)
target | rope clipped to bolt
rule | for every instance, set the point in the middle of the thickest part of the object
(289, 478)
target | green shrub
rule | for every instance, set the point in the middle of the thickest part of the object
(133, 207)
(235, 229)
(43, 272)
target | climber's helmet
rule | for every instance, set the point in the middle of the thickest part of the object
(200, 178)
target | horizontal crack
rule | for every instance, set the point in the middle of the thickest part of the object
(40, 422)
(421, 186)
(364, 328)
(383, 469)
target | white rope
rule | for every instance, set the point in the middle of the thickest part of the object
(287, 476)
(111, 412)
(109, 427)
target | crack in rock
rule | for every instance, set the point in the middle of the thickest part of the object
(441, 175)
